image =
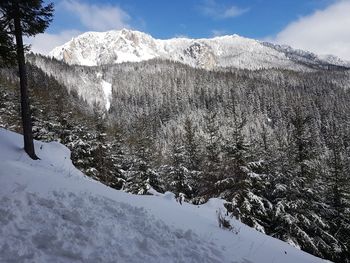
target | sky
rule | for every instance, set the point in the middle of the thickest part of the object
(319, 26)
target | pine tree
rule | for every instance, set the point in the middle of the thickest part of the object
(211, 166)
(119, 159)
(244, 182)
(100, 151)
(7, 47)
(141, 178)
(20, 18)
(191, 145)
(296, 198)
(178, 176)
(337, 195)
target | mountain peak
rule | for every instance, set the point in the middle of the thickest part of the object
(126, 45)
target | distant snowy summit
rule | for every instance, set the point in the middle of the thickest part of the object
(103, 48)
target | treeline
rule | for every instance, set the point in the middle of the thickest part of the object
(274, 144)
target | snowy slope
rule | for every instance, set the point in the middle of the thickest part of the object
(100, 48)
(50, 212)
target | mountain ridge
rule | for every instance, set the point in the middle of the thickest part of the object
(118, 46)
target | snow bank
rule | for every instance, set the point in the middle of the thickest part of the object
(51, 212)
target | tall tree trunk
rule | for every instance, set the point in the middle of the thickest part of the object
(25, 108)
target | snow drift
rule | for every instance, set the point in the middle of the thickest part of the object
(51, 212)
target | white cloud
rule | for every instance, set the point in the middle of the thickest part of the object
(218, 11)
(44, 43)
(181, 36)
(219, 32)
(233, 11)
(99, 18)
(323, 32)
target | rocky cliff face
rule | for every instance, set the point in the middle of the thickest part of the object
(101, 48)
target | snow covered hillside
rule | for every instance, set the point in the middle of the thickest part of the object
(101, 48)
(51, 212)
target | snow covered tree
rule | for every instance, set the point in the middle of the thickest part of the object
(337, 194)
(296, 196)
(99, 151)
(20, 18)
(211, 165)
(178, 177)
(119, 158)
(191, 145)
(141, 178)
(243, 180)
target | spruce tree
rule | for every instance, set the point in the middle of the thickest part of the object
(191, 145)
(337, 195)
(141, 178)
(118, 156)
(99, 150)
(296, 198)
(179, 177)
(211, 166)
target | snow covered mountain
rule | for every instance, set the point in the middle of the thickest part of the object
(101, 48)
(51, 212)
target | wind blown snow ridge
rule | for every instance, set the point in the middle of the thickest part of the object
(51, 212)
(102, 48)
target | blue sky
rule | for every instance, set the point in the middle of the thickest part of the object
(258, 19)
(196, 18)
